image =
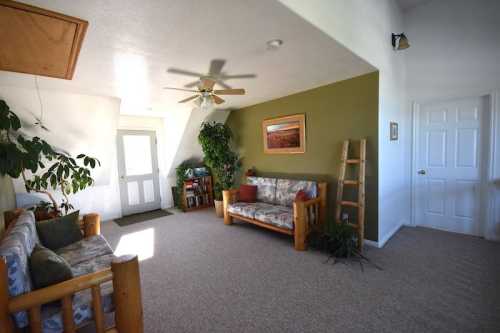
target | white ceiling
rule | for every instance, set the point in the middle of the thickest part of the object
(130, 44)
(407, 5)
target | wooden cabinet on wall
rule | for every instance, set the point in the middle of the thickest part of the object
(38, 41)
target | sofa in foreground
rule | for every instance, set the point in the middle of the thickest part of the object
(101, 282)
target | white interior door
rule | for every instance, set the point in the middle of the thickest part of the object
(449, 165)
(138, 171)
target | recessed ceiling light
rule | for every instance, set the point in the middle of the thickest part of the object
(274, 44)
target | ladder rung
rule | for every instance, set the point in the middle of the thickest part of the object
(352, 161)
(351, 182)
(349, 203)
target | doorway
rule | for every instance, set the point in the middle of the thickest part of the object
(451, 150)
(138, 171)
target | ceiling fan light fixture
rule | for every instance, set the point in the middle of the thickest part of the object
(207, 103)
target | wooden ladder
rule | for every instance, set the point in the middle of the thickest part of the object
(360, 183)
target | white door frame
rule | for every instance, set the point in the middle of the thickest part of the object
(487, 192)
(155, 170)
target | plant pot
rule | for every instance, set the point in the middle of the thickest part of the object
(219, 211)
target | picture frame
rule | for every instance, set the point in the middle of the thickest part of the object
(393, 127)
(284, 135)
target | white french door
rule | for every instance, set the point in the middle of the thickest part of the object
(450, 144)
(138, 171)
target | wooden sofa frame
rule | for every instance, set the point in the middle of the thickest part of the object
(124, 274)
(301, 212)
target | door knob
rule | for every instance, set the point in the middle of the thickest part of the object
(421, 172)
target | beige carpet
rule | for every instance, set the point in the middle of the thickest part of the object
(208, 277)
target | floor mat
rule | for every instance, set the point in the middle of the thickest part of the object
(141, 217)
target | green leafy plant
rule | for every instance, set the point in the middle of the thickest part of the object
(340, 243)
(19, 154)
(66, 175)
(218, 191)
(215, 139)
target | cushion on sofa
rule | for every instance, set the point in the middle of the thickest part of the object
(246, 209)
(60, 231)
(93, 265)
(16, 247)
(286, 190)
(48, 268)
(52, 321)
(266, 188)
(85, 250)
(280, 216)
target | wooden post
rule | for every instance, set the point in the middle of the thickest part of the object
(91, 224)
(10, 216)
(6, 324)
(127, 294)
(361, 194)
(322, 205)
(67, 314)
(226, 197)
(97, 309)
(299, 232)
(35, 318)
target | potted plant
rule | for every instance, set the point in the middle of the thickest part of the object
(19, 154)
(219, 211)
(215, 139)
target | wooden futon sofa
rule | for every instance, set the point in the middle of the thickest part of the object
(276, 208)
(101, 283)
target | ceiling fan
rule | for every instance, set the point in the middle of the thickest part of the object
(206, 95)
(214, 72)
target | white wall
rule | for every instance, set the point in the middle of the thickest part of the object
(183, 127)
(455, 52)
(156, 124)
(7, 198)
(365, 28)
(78, 124)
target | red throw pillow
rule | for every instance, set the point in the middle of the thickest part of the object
(247, 193)
(301, 196)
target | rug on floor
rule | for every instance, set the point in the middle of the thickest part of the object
(142, 217)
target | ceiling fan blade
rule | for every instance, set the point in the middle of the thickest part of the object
(230, 92)
(216, 66)
(240, 76)
(183, 72)
(217, 99)
(206, 83)
(222, 84)
(192, 84)
(181, 89)
(189, 98)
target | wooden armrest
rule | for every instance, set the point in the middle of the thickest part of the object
(230, 196)
(311, 202)
(91, 225)
(58, 291)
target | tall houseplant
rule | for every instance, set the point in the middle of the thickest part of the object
(215, 139)
(19, 154)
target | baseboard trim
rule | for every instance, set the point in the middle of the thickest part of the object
(370, 243)
(389, 235)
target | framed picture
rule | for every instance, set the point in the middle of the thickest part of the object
(394, 131)
(285, 135)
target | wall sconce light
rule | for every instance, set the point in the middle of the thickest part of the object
(400, 42)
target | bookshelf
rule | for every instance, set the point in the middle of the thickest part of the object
(197, 193)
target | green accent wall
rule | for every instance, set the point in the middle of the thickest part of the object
(335, 112)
